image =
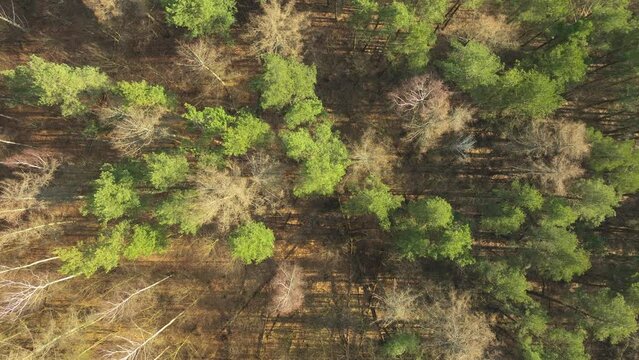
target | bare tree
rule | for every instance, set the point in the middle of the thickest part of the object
(493, 31)
(288, 289)
(110, 314)
(18, 296)
(35, 228)
(135, 349)
(267, 177)
(203, 58)
(555, 150)
(34, 160)
(133, 129)
(9, 15)
(454, 331)
(5, 269)
(424, 103)
(115, 309)
(372, 155)
(278, 30)
(398, 306)
(222, 195)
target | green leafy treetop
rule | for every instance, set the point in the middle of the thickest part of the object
(504, 282)
(213, 120)
(201, 17)
(114, 195)
(176, 211)
(412, 51)
(401, 345)
(428, 228)
(40, 82)
(106, 251)
(166, 170)
(616, 161)
(145, 241)
(596, 200)
(521, 93)
(566, 62)
(374, 198)
(141, 94)
(248, 131)
(555, 253)
(608, 315)
(239, 133)
(323, 155)
(471, 66)
(252, 242)
(557, 212)
(303, 112)
(285, 82)
(560, 344)
(505, 214)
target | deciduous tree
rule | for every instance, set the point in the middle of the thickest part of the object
(374, 198)
(278, 29)
(40, 82)
(252, 242)
(114, 194)
(427, 228)
(288, 289)
(471, 66)
(323, 156)
(165, 171)
(285, 82)
(201, 17)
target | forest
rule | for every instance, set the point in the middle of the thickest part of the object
(319, 179)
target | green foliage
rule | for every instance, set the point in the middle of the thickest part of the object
(40, 82)
(114, 194)
(213, 120)
(503, 220)
(506, 283)
(521, 93)
(505, 214)
(412, 49)
(105, 253)
(471, 66)
(252, 242)
(427, 229)
(557, 212)
(166, 170)
(566, 62)
(141, 94)
(248, 131)
(374, 198)
(239, 133)
(87, 259)
(596, 201)
(324, 158)
(560, 344)
(616, 161)
(285, 82)
(542, 11)
(145, 241)
(408, 29)
(555, 253)
(609, 316)
(401, 344)
(201, 17)
(303, 112)
(176, 211)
